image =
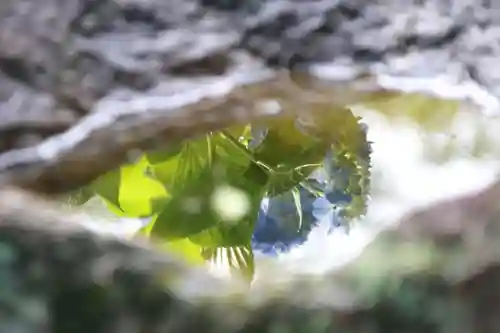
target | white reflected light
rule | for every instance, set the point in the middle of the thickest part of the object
(230, 204)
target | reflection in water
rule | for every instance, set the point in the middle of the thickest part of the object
(333, 191)
(422, 150)
(296, 172)
(326, 196)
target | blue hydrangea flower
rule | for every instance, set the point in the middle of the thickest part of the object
(279, 227)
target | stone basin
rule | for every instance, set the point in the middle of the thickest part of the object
(87, 86)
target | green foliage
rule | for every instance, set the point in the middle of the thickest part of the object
(240, 258)
(203, 196)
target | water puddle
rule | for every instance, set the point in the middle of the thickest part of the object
(303, 194)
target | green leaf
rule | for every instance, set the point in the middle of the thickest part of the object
(242, 134)
(257, 175)
(240, 259)
(108, 187)
(194, 157)
(199, 208)
(181, 173)
(165, 172)
(196, 207)
(130, 191)
(284, 179)
(229, 149)
(286, 148)
(139, 193)
(189, 212)
(226, 234)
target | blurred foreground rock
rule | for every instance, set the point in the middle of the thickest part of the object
(57, 276)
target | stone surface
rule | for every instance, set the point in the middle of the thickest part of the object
(58, 276)
(179, 68)
(85, 83)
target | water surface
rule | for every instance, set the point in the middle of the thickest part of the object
(409, 150)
